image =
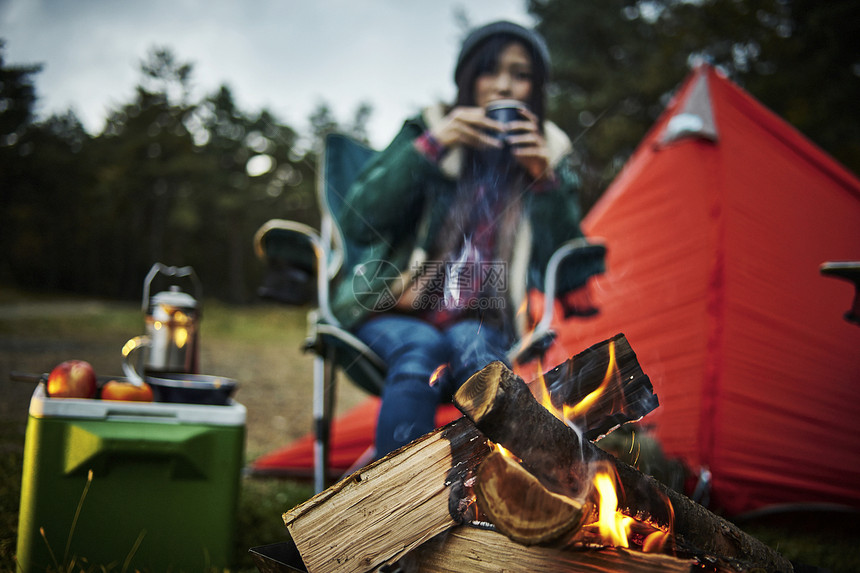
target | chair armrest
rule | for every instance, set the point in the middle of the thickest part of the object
(849, 271)
(293, 246)
(538, 341)
(289, 241)
(533, 345)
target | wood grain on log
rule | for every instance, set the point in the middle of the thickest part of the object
(520, 507)
(388, 508)
(466, 548)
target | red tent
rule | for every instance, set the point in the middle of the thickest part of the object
(350, 446)
(716, 230)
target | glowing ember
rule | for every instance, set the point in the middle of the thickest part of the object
(655, 542)
(611, 527)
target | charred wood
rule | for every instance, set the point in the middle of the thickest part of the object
(603, 386)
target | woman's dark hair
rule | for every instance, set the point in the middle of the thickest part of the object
(485, 58)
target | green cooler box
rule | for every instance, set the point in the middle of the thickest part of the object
(164, 490)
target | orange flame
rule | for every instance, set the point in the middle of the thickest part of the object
(580, 408)
(437, 373)
(655, 542)
(614, 526)
(569, 413)
(505, 452)
(541, 394)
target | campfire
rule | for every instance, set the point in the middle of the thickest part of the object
(519, 481)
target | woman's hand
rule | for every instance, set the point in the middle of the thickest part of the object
(528, 146)
(468, 126)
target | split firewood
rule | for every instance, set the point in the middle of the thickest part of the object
(605, 386)
(389, 507)
(498, 400)
(502, 407)
(467, 548)
(520, 507)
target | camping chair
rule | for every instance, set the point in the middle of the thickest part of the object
(295, 253)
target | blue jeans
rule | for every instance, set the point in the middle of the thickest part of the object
(413, 349)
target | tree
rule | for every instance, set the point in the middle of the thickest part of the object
(808, 71)
(253, 174)
(168, 180)
(323, 121)
(163, 74)
(358, 127)
(146, 163)
(43, 169)
(616, 62)
(17, 98)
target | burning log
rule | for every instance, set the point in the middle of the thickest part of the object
(520, 507)
(466, 548)
(600, 388)
(502, 407)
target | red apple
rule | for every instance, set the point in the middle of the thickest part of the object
(72, 379)
(116, 390)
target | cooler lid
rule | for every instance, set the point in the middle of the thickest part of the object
(42, 406)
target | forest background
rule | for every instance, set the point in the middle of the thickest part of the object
(187, 182)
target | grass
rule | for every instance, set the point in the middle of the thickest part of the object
(259, 346)
(825, 539)
(11, 461)
(94, 331)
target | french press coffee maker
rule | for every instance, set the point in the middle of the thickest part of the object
(171, 342)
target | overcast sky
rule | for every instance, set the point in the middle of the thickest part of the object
(286, 55)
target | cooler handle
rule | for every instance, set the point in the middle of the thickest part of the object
(98, 446)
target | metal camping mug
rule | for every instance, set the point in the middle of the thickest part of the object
(497, 163)
(505, 111)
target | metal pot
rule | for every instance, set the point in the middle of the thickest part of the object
(174, 388)
(192, 389)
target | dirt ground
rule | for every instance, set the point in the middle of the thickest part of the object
(274, 375)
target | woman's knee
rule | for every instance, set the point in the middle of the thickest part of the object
(389, 336)
(412, 349)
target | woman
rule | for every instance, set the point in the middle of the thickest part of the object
(453, 222)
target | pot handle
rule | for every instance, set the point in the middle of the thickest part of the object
(131, 358)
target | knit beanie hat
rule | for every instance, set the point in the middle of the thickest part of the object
(477, 36)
